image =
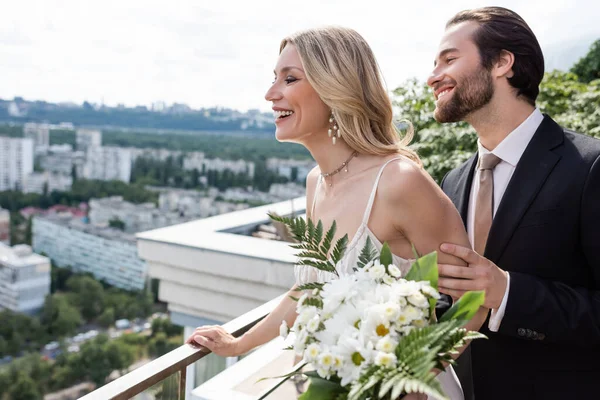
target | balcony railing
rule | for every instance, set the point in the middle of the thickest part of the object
(174, 362)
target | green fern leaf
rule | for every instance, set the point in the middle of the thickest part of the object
(310, 286)
(367, 254)
(326, 245)
(339, 249)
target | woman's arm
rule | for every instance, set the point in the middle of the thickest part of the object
(217, 340)
(220, 342)
(421, 211)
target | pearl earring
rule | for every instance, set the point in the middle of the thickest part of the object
(334, 130)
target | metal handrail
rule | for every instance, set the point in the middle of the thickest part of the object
(175, 361)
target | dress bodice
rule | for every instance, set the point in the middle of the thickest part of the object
(306, 274)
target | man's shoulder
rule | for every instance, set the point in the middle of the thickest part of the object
(586, 146)
(454, 175)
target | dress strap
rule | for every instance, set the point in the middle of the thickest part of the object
(374, 191)
(317, 187)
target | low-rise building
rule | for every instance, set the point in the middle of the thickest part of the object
(108, 254)
(40, 133)
(87, 138)
(38, 182)
(61, 159)
(294, 170)
(196, 160)
(107, 163)
(24, 279)
(136, 217)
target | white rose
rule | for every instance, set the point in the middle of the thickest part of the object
(394, 271)
(429, 291)
(377, 271)
(419, 300)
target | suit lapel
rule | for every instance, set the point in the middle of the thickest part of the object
(462, 189)
(531, 172)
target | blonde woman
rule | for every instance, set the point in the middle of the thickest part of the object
(328, 96)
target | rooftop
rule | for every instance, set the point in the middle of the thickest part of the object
(227, 233)
(20, 256)
(79, 225)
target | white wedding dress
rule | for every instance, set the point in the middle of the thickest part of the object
(305, 274)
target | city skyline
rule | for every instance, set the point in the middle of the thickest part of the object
(220, 54)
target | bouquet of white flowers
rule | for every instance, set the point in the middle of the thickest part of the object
(372, 334)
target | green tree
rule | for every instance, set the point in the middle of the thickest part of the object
(588, 67)
(59, 278)
(24, 388)
(60, 318)
(107, 318)
(28, 231)
(89, 295)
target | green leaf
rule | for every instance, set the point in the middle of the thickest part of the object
(338, 250)
(326, 245)
(367, 254)
(321, 389)
(465, 308)
(425, 269)
(310, 286)
(319, 233)
(385, 257)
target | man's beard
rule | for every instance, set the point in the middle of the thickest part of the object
(475, 92)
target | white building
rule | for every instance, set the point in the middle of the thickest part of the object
(136, 217)
(292, 169)
(108, 163)
(49, 181)
(108, 254)
(4, 226)
(154, 154)
(61, 159)
(196, 160)
(40, 133)
(86, 138)
(16, 162)
(24, 279)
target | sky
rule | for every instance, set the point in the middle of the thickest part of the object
(222, 53)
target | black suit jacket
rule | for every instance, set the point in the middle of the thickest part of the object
(546, 233)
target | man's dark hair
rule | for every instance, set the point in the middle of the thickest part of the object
(502, 29)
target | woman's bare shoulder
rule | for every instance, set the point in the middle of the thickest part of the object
(403, 181)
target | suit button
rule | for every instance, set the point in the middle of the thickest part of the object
(534, 335)
(521, 332)
(529, 333)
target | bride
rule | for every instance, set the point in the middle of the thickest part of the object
(328, 96)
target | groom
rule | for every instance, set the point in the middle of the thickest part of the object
(530, 199)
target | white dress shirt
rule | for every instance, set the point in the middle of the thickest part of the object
(509, 151)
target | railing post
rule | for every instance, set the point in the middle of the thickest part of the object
(182, 379)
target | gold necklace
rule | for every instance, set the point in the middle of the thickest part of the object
(344, 167)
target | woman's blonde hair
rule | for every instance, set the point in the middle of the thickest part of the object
(341, 67)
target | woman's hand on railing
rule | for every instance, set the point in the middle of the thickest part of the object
(216, 339)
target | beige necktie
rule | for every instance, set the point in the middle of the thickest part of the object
(484, 204)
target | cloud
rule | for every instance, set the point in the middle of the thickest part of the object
(222, 53)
